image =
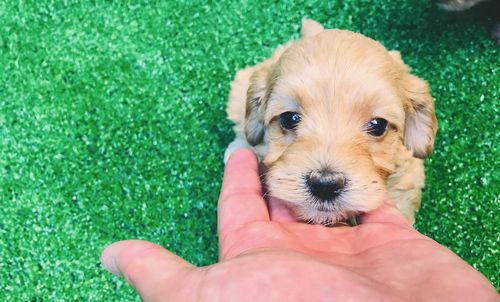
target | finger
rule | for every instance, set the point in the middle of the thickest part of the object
(150, 269)
(240, 201)
(279, 211)
(387, 213)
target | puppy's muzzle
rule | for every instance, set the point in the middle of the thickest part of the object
(325, 185)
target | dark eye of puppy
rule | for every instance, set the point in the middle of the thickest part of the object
(376, 127)
(289, 120)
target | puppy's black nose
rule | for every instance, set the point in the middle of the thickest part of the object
(325, 185)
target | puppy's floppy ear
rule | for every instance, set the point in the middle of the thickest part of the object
(421, 122)
(256, 105)
(310, 28)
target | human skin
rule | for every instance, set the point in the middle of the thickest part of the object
(265, 255)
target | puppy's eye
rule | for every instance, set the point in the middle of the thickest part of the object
(289, 120)
(376, 127)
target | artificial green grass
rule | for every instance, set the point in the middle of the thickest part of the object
(112, 126)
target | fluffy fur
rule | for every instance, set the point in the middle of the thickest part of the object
(338, 81)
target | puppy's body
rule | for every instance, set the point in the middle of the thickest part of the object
(336, 81)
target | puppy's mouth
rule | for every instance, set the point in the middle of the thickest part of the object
(328, 214)
(320, 197)
(329, 217)
(337, 214)
(321, 207)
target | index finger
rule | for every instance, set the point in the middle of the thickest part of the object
(241, 200)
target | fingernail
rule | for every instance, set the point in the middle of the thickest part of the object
(108, 260)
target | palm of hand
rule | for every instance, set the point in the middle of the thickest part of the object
(267, 256)
(370, 262)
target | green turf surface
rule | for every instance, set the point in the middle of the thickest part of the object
(112, 126)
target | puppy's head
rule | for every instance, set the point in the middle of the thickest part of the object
(334, 110)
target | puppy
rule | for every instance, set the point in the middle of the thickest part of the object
(339, 123)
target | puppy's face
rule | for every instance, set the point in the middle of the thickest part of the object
(335, 110)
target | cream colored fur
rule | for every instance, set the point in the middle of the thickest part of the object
(338, 81)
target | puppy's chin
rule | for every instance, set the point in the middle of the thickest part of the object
(329, 214)
(363, 194)
(321, 216)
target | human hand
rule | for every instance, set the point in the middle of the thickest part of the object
(267, 256)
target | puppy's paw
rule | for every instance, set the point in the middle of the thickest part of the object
(238, 143)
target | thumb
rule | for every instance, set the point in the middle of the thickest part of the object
(279, 211)
(154, 272)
